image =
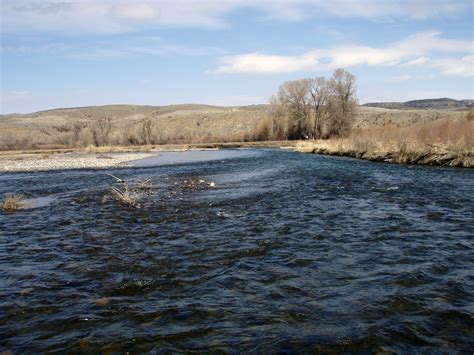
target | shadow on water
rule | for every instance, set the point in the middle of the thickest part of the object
(287, 253)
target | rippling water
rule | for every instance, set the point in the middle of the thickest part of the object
(289, 253)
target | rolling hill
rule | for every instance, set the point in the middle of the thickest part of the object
(125, 124)
(442, 103)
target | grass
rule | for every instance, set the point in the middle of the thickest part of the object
(128, 193)
(125, 196)
(12, 203)
(440, 142)
(178, 124)
(441, 136)
(144, 185)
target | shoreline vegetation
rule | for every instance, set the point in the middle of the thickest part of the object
(441, 143)
(383, 144)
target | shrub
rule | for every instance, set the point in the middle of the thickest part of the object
(12, 203)
(144, 184)
(125, 196)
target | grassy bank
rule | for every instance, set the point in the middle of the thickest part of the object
(441, 142)
(447, 142)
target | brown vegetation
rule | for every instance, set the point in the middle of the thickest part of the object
(129, 193)
(144, 185)
(104, 128)
(12, 203)
(445, 135)
(125, 125)
(125, 195)
(442, 142)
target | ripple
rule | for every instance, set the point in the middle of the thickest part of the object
(288, 253)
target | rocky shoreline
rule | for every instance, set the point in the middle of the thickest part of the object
(426, 157)
(63, 161)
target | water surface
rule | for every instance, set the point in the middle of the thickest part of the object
(289, 253)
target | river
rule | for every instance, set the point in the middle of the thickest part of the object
(287, 253)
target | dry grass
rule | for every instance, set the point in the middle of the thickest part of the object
(121, 128)
(446, 135)
(129, 193)
(12, 203)
(125, 196)
(441, 142)
(144, 185)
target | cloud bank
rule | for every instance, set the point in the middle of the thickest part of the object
(68, 17)
(412, 50)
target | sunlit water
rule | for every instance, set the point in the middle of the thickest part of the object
(288, 253)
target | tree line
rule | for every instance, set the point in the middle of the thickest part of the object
(314, 108)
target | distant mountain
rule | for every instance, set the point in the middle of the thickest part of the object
(425, 104)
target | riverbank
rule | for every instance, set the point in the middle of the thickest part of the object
(118, 156)
(445, 142)
(435, 155)
(108, 156)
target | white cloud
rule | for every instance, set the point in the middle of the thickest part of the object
(386, 9)
(456, 66)
(417, 61)
(136, 12)
(109, 48)
(109, 16)
(415, 46)
(266, 64)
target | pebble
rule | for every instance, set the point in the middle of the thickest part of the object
(70, 161)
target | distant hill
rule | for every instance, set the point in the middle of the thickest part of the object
(441, 103)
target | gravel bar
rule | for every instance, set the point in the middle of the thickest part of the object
(68, 161)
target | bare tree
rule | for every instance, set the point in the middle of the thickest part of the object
(101, 132)
(293, 96)
(321, 92)
(147, 130)
(316, 107)
(344, 103)
(279, 129)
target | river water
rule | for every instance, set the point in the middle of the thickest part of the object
(288, 253)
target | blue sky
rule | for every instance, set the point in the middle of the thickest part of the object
(84, 52)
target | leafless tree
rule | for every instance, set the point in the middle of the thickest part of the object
(344, 103)
(101, 132)
(293, 96)
(147, 127)
(316, 107)
(279, 129)
(321, 92)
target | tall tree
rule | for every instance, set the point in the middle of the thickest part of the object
(293, 95)
(344, 103)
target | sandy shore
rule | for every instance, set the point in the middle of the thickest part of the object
(62, 161)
